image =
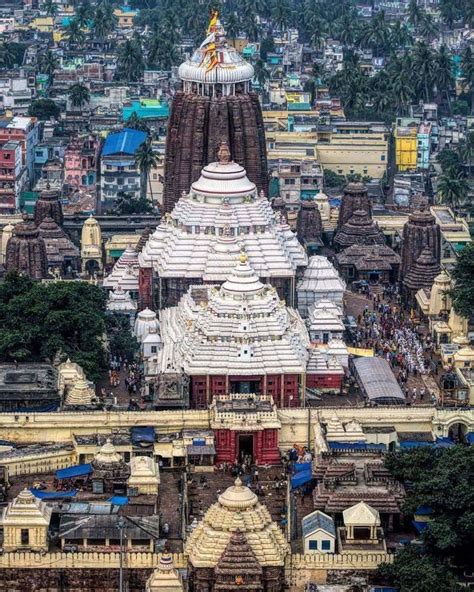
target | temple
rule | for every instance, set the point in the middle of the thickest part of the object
(216, 104)
(242, 339)
(26, 251)
(355, 198)
(222, 213)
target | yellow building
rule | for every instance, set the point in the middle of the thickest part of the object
(43, 24)
(125, 17)
(25, 523)
(348, 147)
(406, 148)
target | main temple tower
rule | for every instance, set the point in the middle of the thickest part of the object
(216, 104)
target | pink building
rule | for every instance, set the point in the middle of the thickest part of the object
(80, 162)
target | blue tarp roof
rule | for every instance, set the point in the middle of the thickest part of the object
(355, 446)
(419, 526)
(125, 142)
(50, 495)
(423, 511)
(75, 471)
(118, 500)
(301, 478)
(444, 442)
(144, 435)
(414, 444)
(470, 437)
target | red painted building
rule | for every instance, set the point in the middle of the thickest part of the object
(12, 176)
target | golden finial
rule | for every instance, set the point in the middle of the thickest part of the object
(243, 257)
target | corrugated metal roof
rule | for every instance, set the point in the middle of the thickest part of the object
(125, 142)
(378, 381)
(318, 520)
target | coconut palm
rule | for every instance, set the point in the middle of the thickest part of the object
(162, 51)
(74, 34)
(424, 67)
(145, 160)
(466, 151)
(443, 73)
(103, 21)
(467, 67)
(399, 35)
(50, 7)
(375, 33)
(261, 73)
(453, 188)
(427, 28)
(79, 95)
(130, 65)
(137, 123)
(281, 14)
(347, 31)
(232, 26)
(83, 15)
(8, 57)
(49, 64)
(415, 13)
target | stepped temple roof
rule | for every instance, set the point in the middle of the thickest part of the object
(222, 213)
(241, 327)
(236, 511)
(124, 272)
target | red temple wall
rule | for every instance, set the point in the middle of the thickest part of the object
(145, 287)
(324, 381)
(198, 392)
(265, 446)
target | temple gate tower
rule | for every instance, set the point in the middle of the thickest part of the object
(216, 104)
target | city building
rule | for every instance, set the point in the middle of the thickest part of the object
(406, 147)
(118, 170)
(13, 176)
(25, 130)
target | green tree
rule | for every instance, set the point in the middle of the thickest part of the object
(332, 179)
(415, 13)
(40, 320)
(79, 95)
(374, 34)
(261, 73)
(74, 34)
(232, 26)
(50, 7)
(443, 73)
(266, 46)
(83, 15)
(453, 188)
(424, 67)
(281, 14)
(44, 109)
(463, 275)
(467, 67)
(103, 21)
(127, 205)
(146, 160)
(8, 56)
(49, 64)
(121, 340)
(137, 123)
(130, 64)
(428, 28)
(162, 51)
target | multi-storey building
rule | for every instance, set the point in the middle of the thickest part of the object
(24, 130)
(12, 176)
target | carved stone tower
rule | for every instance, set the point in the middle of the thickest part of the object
(26, 251)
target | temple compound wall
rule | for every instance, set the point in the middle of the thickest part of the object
(297, 425)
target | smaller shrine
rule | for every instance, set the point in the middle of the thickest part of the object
(49, 205)
(68, 374)
(120, 302)
(165, 578)
(26, 251)
(25, 523)
(124, 273)
(355, 198)
(420, 232)
(144, 478)
(145, 322)
(362, 530)
(62, 254)
(377, 264)
(325, 322)
(110, 473)
(320, 281)
(91, 247)
(421, 273)
(80, 395)
(309, 226)
(359, 229)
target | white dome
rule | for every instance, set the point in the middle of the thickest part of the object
(230, 69)
(223, 179)
(145, 322)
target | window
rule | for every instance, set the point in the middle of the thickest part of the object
(313, 545)
(153, 349)
(325, 545)
(382, 157)
(25, 536)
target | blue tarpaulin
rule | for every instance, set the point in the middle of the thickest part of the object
(419, 526)
(126, 141)
(470, 437)
(75, 471)
(144, 435)
(51, 495)
(118, 500)
(444, 442)
(299, 467)
(414, 444)
(299, 479)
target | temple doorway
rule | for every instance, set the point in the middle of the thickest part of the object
(457, 433)
(245, 446)
(245, 387)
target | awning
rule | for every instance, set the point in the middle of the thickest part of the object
(355, 446)
(414, 444)
(198, 450)
(143, 436)
(301, 478)
(301, 467)
(118, 500)
(52, 495)
(75, 471)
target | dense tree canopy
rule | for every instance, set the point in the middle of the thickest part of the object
(463, 275)
(44, 109)
(41, 320)
(443, 480)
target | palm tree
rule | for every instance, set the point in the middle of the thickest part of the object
(162, 51)
(130, 61)
(49, 64)
(424, 67)
(318, 27)
(137, 123)
(232, 26)
(449, 12)
(466, 151)
(347, 32)
(83, 15)
(261, 73)
(399, 35)
(103, 21)
(375, 33)
(467, 67)
(453, 188)
(50, 7)
(443, 74)
(281, 14)
(8, 57)
(427, 28)
(145, 160)
(74, 33)
(79, 95)
(415, 13)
